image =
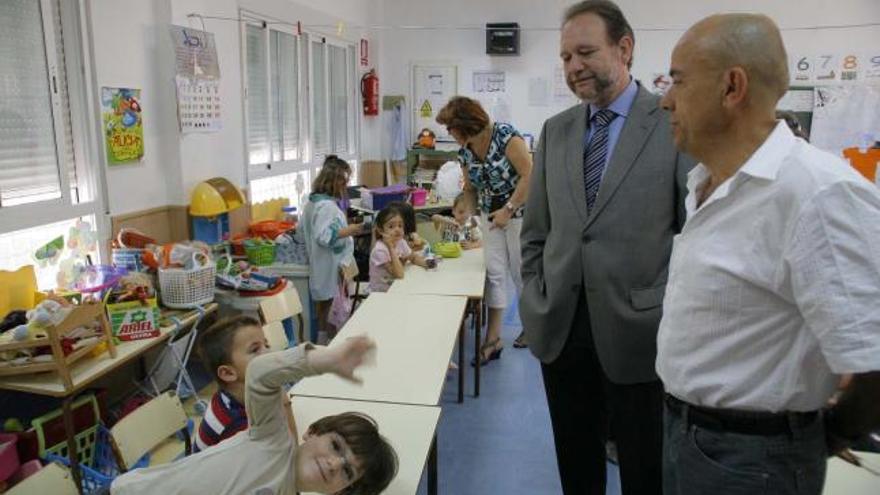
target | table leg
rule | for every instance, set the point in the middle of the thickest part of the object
(73, 455)
(432, 467)
(478, 330)
(461, 336)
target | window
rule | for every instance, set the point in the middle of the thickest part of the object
(30, 159)
(333, 98)
(319, 97)
(285, 82)
(272, 98)
(18, 249)
(300, 106)
(48, 172)
(295, 187)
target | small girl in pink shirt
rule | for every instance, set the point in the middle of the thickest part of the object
(390, 252)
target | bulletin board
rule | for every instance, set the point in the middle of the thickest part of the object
(432, 87)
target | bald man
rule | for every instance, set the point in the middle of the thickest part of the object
(774, 281)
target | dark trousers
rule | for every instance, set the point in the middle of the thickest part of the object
(585, 407)
(699, 461)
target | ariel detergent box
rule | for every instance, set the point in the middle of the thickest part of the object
(134, 320)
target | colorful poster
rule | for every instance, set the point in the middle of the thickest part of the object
(123, 125)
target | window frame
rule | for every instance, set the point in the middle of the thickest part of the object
(81, 106)
(351, 90)
(280, 167)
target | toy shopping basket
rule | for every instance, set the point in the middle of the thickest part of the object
(182, 288)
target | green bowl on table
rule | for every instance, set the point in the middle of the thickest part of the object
(447, 249)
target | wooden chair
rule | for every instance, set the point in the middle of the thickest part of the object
(147, 427)
(276, 336)
(53, 478)
(282, 306)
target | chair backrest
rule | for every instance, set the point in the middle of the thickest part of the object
(53, 478)
(146, 427)
(274, 333)
(281, 306)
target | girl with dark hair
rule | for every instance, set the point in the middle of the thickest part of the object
(390, 252)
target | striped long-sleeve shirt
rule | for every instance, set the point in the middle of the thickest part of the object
(224, 418)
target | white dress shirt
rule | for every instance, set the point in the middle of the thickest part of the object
(774, 283)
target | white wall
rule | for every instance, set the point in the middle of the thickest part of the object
(539, 48)
(131, 43)
(132, 48)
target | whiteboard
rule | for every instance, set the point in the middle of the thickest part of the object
(433, 86)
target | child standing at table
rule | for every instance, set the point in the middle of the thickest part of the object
(328, 238)
(462, 226)
(390, 251)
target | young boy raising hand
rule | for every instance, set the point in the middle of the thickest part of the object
(340, 454)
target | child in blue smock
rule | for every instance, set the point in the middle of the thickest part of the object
(328, 236)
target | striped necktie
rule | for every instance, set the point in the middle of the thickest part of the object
(595, 153)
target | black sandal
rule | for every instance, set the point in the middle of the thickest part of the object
(521, 342)
(484, 359)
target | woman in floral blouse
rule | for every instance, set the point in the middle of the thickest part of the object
(497, 165)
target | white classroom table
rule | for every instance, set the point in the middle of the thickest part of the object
(410, 430)
(845, 479)
(462, 276)
(414, 336)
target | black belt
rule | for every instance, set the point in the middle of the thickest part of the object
(744, 422)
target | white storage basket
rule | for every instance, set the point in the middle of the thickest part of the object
(182, 289)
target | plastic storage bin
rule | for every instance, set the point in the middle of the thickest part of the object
(378, 198)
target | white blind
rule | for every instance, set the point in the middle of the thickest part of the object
(285, 96)
(338, 99)
(68, 158)
(29, 168)
(319, 100)
(257, 96)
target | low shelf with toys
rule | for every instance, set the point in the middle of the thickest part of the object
(86, 323)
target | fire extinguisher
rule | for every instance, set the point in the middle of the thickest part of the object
(370, 92)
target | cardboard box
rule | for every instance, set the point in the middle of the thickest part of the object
(134, 320)
(372, 173)
(398, 172)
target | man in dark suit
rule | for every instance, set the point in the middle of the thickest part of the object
(605, 201)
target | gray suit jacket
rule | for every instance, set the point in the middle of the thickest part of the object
(619, 254)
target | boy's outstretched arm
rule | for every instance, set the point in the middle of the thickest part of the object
(267, 374)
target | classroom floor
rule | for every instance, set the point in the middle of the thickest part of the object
(501, 442)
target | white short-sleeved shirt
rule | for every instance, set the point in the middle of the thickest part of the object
(774, 283)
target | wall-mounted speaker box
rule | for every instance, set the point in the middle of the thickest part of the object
(502, 38)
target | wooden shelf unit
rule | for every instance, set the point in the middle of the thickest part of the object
(81, 315)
